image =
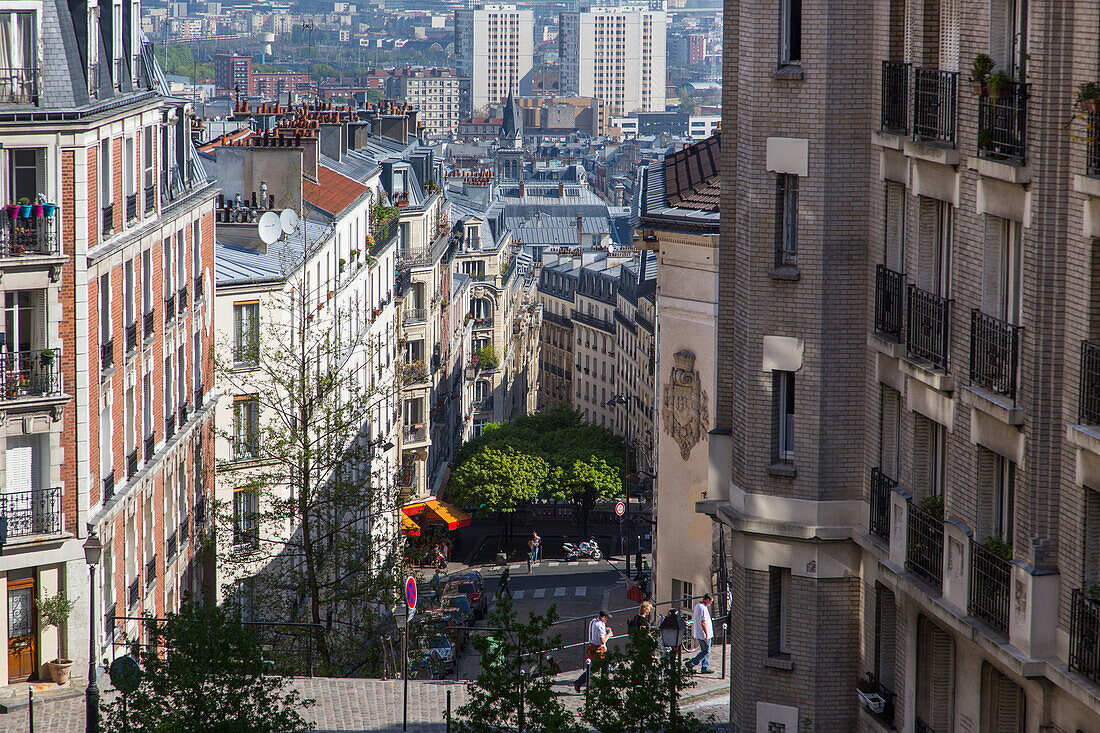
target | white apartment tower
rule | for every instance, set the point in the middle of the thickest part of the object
(493, 50)
(616, 54)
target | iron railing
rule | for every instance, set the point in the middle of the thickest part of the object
(415, 315)
(895, 97)
(150, 446)
(200, 395)
(1002, 124)
(170, 308)
(108, 219)
(108, 486)
(558, 319)
(594, 321)
(183, 411)
(19, 85)
(881, 486)
(924, 546)
(994, 353)
(134, 592)
(150, 323)
(131, 337)
(169, 426)
(33, 512)
(170, 547)
(1090, 384)
(29, 374)
(200, 514)
(109, 623)
(107, 353)
(483, 405)
(131, 207)
(181, 299)
(643, 322)
(246, 447)
(132, 464)
(486, 322)
(1092, 150)
(416, 433)
(989, 580)
(151, 571)
(935, 106)
(889, 303)
(185, 529)
(1084, 635)
(928, 328)
(198, 287)
(36, 235)
(150, 198)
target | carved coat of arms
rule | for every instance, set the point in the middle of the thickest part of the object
(684, 411)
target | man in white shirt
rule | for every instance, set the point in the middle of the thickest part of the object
(703, 630)
(598, 634)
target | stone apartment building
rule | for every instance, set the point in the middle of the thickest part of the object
(636, 356)
(493, 44)
(905, 427)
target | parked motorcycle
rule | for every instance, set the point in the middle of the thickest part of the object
(588, 548)
(570, 551)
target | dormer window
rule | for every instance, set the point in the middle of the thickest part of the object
(18, 65)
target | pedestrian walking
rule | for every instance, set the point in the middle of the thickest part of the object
(702, 628)
(596, 648)
(642, 619)
(502, 584)
(536, 546)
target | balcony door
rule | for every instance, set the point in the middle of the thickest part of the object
(1002, 273)
(18, 72)
(22, 641)
(23, 320)
(1008, 36)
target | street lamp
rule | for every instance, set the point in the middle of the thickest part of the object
(672, 629)
(93, 551)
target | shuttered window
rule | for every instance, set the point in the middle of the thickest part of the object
(890, 431)
(935, 676)
(1003, 702)
(949, 35)
(895, 226)
(21, 463)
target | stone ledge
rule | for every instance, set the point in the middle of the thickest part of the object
(783, 663)
(927, 375)
(1088, 185)
(994, 405)
(1084, 437)
(883, 345)
(932, 152)
(783, 470)
(890, 140)
(1018, 174)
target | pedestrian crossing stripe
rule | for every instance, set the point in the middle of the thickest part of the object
(582, 591)
(540, 592)
(553, 563)
(517, 595)
(558, 592)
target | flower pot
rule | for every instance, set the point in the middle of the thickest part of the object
(60, 670)
(49, 209)
(1089, 105)
(38, 210)
(13, 210)
(25, 210)
(980, 89)
(873, 701)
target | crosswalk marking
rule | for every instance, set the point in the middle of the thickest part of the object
(517, 595)
(558, 592)
(553, 564)
(539, 592)
(582, 590)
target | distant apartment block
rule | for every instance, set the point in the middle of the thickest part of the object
(231, 72)
(437, 93)
(493, 46)
(271, 85)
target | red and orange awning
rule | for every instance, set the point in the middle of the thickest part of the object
(437, 511)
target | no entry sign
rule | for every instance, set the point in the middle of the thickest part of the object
(620, 508)
(410, 595)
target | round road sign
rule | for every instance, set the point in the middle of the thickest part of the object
(410, 593)
(620, 508)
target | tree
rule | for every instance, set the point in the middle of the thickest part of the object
(498, 480)
(583, 482)
(513, 688)
(310, 534)
(203, 671)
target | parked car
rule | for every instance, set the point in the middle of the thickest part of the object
(449, 621)
(473, 588)
(442, 647)
(462, 603)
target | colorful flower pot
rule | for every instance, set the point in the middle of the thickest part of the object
(13, 210)
(37, 209)
(25, 210)
(49, 209)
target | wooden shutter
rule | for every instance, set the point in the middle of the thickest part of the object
(895, 226)
(922, 476)
(1010, 706)
(992, 287)
(888, 429)
(20, 465)
(942, 679)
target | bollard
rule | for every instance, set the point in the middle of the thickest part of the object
(448, 711)
(30, 707)
(723, 651)
(587, 679)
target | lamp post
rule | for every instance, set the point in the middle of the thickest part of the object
(93, 551)
(672, 630)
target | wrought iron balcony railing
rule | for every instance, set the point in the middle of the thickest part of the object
(35, 235)
(994, 353)
(109, 623)
(246, 448)
(131, 207)
(1092, 151)
(895, 97)
(1002, 124)
(28, 374)
(134, 592)
(928, 329)
(150, 198)
(198, 287)
(18, 85)
(170, 547)
(989, 580)
(169, 426)
(881, 486)
(924, 546)
(183, 412)
(108, 219)
(935, 105)
(415, 315)
(1090, 384)
(1084, 635)
(185, 529)
(107, 353)
(108, 486)
(150, 446)
(131, 337)
(31, 513)
(150, 323)
(170, 308)
(181, 299)
(416, 433)
(889, 303)
(132, 464)
(151, 571)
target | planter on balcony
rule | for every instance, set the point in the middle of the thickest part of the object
(873, 701)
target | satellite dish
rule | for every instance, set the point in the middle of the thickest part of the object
(270, 228)
(289, 220)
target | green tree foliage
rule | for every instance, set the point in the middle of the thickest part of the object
(513, 689)
(204, 672)
(497, 479)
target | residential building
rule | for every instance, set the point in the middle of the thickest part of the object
(437, 93)
(232, 73)
(270, 85)
(636, 351)
(616, 54)
(493, 45)
(904, 429)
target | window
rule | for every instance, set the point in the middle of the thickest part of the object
(129, 164)
(105, 180)
(245, 524)
(105, 309)
(1004, 499)
(1001, 270)
(890, 432)
(246, 428)
(1002, 704)
(944, 245)
(26, 169)
(786, 220)
(682, 592)
(783, 397)
(246, 333)
(147, 404)
(130, 304)
(147, 279)
(790, 32)
(935, 676)
(779, 592)
(19, 84)
(885, 635)
(166, 264)
(147, 144)
(895, 226)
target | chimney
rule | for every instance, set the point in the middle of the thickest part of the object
(521, 189)
(561, 190)
(580, 230)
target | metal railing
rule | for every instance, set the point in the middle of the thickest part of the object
(185, 529)
(170, 547)
(483, 404)
(33, 512)
(150, 323)
(151, 571)
(935, 106)
(881, 486)
(928, 327)
(107, 353)
(150, 446)
(1090, 384)
(200, 514)
(169, 426)
(150, 198)
(989, 580)
(889, 303)
(643, 322)
(133, 594)
(29, 374)
(1084, 635)
(132, 464)
(246, 447)
(415, 315)
(170, 308)
(383, 235)
(36, 235)
(181, 299)
(108, 219)
(131, 207)
(18, 85)
(131, 337)
(184, 409)
(994, 353)
(1002, 124)
(109, 623)
(558, 319)
(416, 434)
(895, 97)
(108, 486)
(486, 322)
(594, 321)
(924, 546)
(1092, 149)
(198, 287)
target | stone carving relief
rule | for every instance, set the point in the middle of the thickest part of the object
(684, 410)
(1021, 598)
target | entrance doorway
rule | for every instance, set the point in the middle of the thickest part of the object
(21, 631)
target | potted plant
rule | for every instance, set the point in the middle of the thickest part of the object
(980, 70)
(13, 210)
(998, 547)
(343, 264)
(1000, 85)
(867, 691)
(38, 210)
(54, 611)
(25, 207)
(932, 505)
(46, 357)
(47, 207)
(1088, 97)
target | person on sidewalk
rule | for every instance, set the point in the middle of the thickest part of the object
(536, 546)
(642, 619)
(702, 628)
(502, 584)
(596, 648)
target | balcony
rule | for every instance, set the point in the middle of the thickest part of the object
(150, 446)
(151, 572)
(183, 411)
(108, 486)
(560, 320)
(198, 287)
(246, 447)
(1092, 152)
(131, 337)
(413, 372)
(994, 354)
(185, 529)
(989, 579)
(132, 464)
(149, 323)
(131, 207)
(18, 85)
(170, 548)
(889, 303)
(200, 514)
(109, 623)
(169, 426)
(31, 513)
(1090, 384)
(895, 97)
(643, 323)
(415, 315)
(133, 594)
(486, 322)
(1084, 635)
(594, 321)
(928, 329)
(107, 354)
(170, 308)
(181, 299)
(935, 105)
(35, 235)
(150, 198)
(483, 405)
(108, 220)
(924, 546)
(879, 521)
(200, 395)
(29, 374)
(1002, 124)
(416, 433)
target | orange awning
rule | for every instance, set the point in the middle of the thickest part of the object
(409, 527)
(440, 511)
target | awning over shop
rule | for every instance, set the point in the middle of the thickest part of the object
(439, 511)
(409, 527)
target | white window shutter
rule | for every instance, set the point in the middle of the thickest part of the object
(895, 226)
(942, 683)
(992, 287)
(949, 35)
(20, 465)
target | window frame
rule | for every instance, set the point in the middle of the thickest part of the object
(786, 220)
(790, 33)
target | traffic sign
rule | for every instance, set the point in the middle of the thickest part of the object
(620, 508)
(410, 596)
